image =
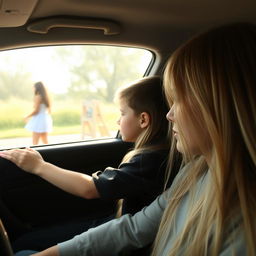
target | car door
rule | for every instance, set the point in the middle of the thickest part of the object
(28, 202)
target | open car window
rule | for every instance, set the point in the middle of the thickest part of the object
(81, 81)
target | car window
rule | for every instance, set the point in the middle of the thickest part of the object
(81, 81)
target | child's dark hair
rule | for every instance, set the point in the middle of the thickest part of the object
(146, 95)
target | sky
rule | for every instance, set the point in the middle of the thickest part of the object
(37, 62)
(42, 64)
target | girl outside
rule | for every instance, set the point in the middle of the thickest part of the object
(138, 180)
(92, 119)
(210, 208)
(40, 123)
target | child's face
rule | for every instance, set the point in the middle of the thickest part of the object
(129, 122)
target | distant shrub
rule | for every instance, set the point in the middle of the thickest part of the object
(12, 113)
(66, 117)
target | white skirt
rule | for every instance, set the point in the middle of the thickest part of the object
(40, 123)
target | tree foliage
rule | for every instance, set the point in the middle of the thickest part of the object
(90, 71)
(100, 70)
(15, 81)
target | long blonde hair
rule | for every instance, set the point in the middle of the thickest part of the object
(215, 73)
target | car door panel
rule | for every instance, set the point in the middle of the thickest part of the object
(27, 201)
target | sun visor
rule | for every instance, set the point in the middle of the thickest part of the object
(15, 13)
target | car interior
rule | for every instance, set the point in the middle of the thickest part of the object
(29, 203)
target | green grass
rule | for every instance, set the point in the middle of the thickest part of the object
(65, 114)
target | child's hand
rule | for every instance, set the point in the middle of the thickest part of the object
(27, 159)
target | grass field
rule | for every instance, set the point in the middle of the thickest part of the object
(66, 117)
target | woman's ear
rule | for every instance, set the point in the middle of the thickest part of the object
(144, 120)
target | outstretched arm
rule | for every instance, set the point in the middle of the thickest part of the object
(31, 161)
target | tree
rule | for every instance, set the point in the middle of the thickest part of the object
(15, 78)
(100, 70)
(15, 84)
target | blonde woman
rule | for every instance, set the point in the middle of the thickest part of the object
(210, 208)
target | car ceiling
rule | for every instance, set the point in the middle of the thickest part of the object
(159, 25)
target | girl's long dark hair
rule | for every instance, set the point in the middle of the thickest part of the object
(41, 90)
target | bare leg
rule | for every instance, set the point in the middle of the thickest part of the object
(92, 129)
(88, 128)
(35, 138)
(44, 137)
(83, 129)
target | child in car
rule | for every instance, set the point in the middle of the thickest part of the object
(210, 208)
(139, 178)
